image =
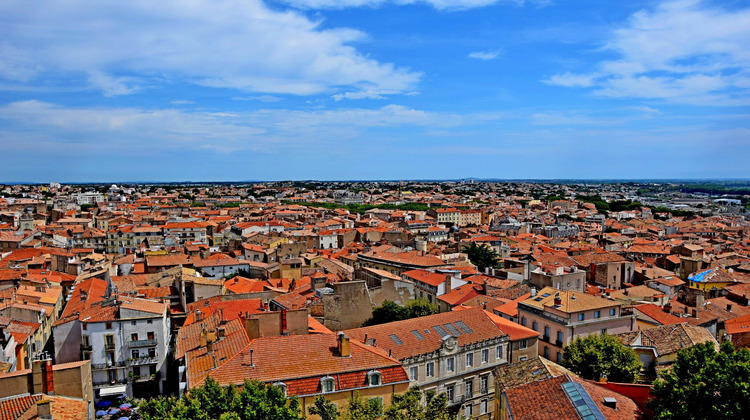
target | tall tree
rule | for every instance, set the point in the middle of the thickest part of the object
(324, 408)
(704, 384)
(483, 256)
(363, 409)
(409, 406)
(255, 401)
(596, 355)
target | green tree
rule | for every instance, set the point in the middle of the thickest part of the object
(324, 408)
(255, 401)
(596, 355)
(704, 384)
(483, 256)
(363, 409)
(387, 312)
(419, 307)
(409, 406)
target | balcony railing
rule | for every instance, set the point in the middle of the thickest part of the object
(144, 361)
(109, 346)
(109, 383)
(545, 338)
(86, 347)
(558, 343)
(105, 366)
(142, 343)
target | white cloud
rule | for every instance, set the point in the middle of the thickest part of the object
(262, 98)
(568, 79)
(437, 4)
(46, 126)
(122, 47)
(684, 51)
(485, 55)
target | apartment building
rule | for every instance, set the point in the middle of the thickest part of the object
(562, 316)
(125, 338)
(454, 353)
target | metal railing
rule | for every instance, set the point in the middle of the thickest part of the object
(144, 361)
(108, 365)
(142, 343)
(109, 383)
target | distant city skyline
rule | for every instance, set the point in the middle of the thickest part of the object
(231, 90)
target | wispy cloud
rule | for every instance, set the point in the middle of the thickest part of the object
(437, 4)
(261, 98)
(485, 55)
(684, 51)
(237, 44)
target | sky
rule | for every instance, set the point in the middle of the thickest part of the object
(235, 90)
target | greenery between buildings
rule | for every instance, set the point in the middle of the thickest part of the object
(361, 208)
(391, 311)
(483, 256)
(704, 384)
(595, 356)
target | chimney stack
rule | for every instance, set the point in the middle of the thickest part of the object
(343, 345)
(558, 300)
(43, 409)
(447, 283)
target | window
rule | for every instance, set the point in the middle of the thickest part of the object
(522, 344)
(373, 378)
(597, 314)
(133, 322)
(449, 392)
(134, 336)
(152, 370)
(483, 406)
(483, 382)
(499, 352)
(151, 352)
(467, 411)
(86, 355)
(108, 325)
(85, 340)
(580, 316)
(469, 388)
(612, 312)
(546, 352)
(485, 355)
(450, 364)
(523, 321)
(534, 326)
(559, 338)
(150, 335)
(559, 357)
(134, 354)
(327, 384)
(430, 369)
(546, 332)
(604, 331)
(469, 360)
(413, 372)
(281, 386)
(85, 326)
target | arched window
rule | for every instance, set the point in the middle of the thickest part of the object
(281, 386)
(327, 384)
(374, 378)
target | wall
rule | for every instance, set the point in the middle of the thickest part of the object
(348, 307)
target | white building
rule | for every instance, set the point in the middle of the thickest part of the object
(126, 339)
(88, 197)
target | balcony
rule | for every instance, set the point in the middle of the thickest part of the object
(109, 346)
(545, 338)
(141, 343)
(86, 347)
(110, 383)
(144, 361)
(558, 343)
(106, 366)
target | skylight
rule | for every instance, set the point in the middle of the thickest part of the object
(582, 401)
(417, 334)
(395, 339)
(463, 327)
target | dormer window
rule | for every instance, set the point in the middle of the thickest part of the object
(281, 386)
(327, 384)
(374, 378)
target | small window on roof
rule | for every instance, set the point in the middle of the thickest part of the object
(281, 386)
(374, 378)
(327, 384)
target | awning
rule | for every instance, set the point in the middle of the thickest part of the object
(113, 390)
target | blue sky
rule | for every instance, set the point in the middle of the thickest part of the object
(231, 90)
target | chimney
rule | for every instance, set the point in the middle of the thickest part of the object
(221, 332)
(283, 321)
(533, 291)
(49, 379)
(252, 363)
(729, 307)
(558, 300)
(447, 283)
(343, 345)
(695, 313)
(43, 409)
(203, 340)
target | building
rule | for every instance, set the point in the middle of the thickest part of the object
(125, 338)
(330, 365)
(563, 316)
(453, 352)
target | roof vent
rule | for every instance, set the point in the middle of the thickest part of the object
(610, 402)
